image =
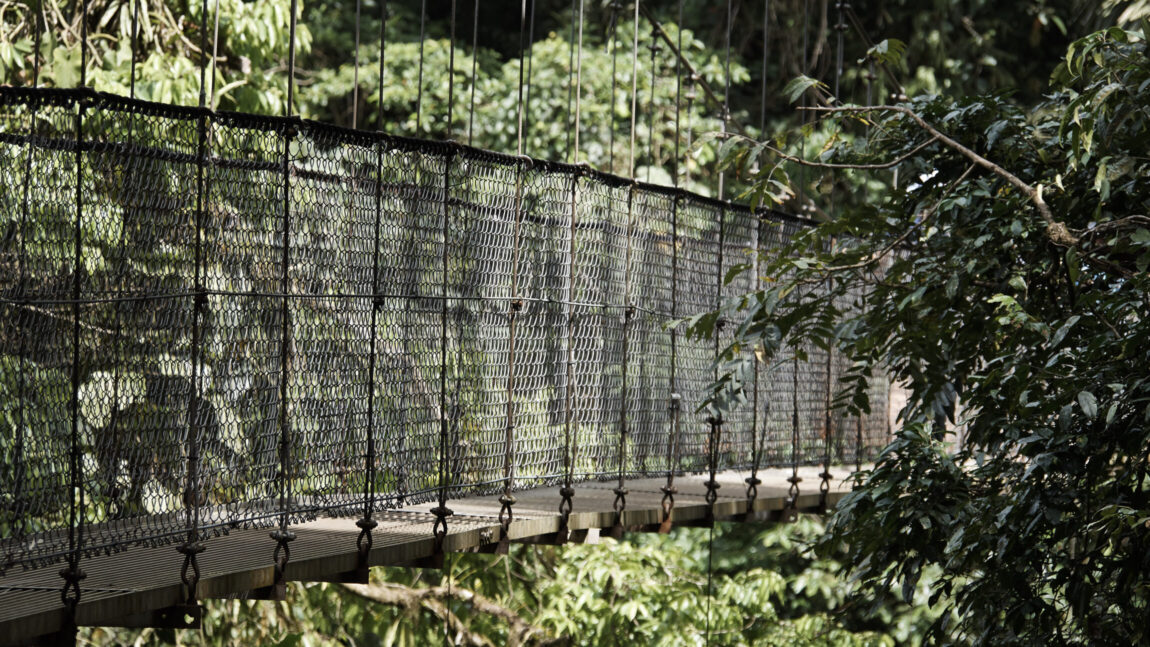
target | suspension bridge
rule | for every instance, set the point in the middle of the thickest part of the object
(242, 350)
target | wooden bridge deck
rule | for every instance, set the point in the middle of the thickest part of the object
(142, 580)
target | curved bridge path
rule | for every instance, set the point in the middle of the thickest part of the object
(139, 587)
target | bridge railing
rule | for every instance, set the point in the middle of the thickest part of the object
(211, 319)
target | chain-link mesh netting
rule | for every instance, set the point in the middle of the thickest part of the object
(202, 297)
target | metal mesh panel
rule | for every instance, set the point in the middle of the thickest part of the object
(229, 270)
(699, 223)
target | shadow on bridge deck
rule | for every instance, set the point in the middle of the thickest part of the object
(134, 587)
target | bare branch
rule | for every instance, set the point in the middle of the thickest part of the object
(1056, 231)
(828, 165)
(433, 597)
(870, 260)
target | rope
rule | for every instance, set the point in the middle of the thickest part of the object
(474, 68)
(419, 78)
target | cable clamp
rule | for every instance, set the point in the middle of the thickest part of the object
(676, 401)
(516, 305)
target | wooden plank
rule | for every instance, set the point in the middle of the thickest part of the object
(143, 580)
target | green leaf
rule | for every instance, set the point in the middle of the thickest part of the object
(888, 52)
(1089, 403)
(799, 85)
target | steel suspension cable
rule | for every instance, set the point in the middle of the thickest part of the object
(654, 47)
(451, 79)
(215, 57)
(613, 43)
(570, 75)
(474, 70)
(133, 38)
(530, 54)
(22, 280)
(355, 70)
(570, 448)
(578, 82)
(382, 66)
(620, 490)
(364, 541)
(282, 535)
(72, 574)
(716, 421)
(507, 499)
(193, 546)
(675, 400)
(441, 511)
(419, 76)
(825, 476)
(753, 480)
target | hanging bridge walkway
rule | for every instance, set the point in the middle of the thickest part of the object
(218, 324)
(239, 350)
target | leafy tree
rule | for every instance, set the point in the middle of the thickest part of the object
(1003, 283)
(646, 590)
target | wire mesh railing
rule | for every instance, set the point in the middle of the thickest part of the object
(212, 320)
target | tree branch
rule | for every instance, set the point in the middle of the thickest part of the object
(1056, 231)
(831, 165)
(433, 598)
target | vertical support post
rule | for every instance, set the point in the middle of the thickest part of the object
(620, 490)
(506, 500)
(19, 508)
(825, 476)
(192, 545)
(675, 401)
(282, 535)
(441, 511)
(716, 419)
(72, 573)
(367, 523)
(753, 481)
(790, 508)
(570, 449)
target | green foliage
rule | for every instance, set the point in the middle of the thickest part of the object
(767, 588)
(1003, 285)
